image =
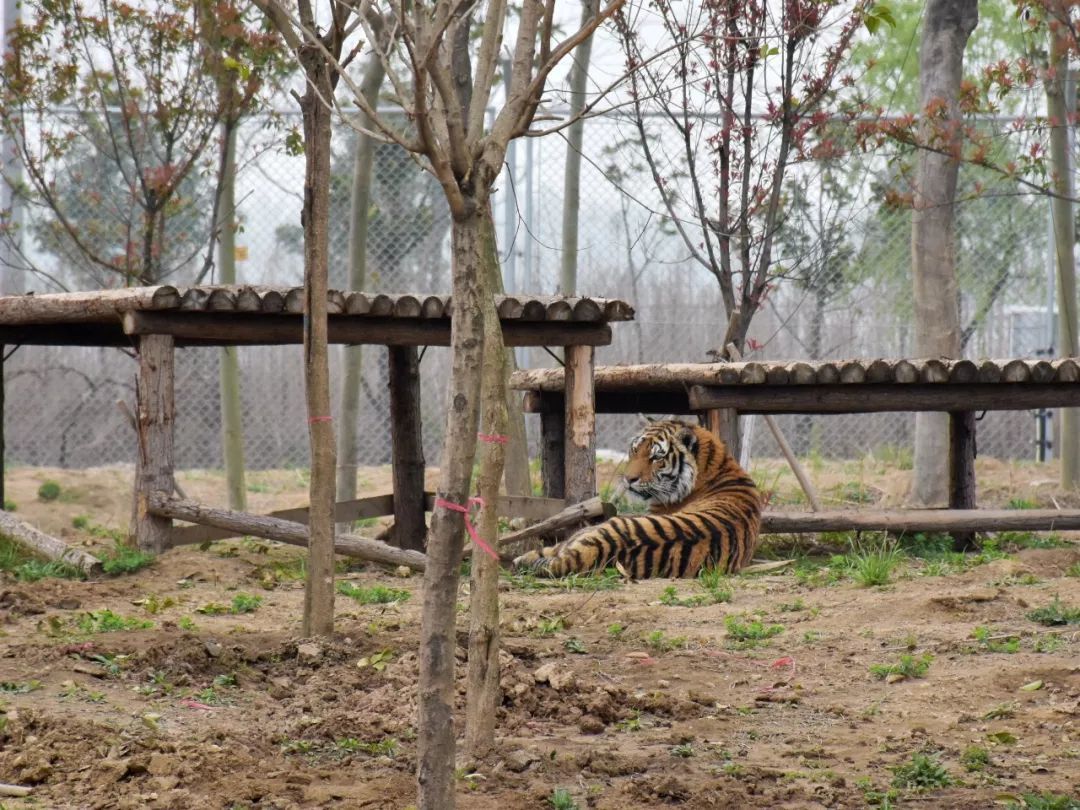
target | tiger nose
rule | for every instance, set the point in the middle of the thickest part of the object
(631, 479)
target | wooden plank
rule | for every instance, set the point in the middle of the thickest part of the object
(922, 520)
(344, 512)
(580, 454)
(407, 451)
(155, 416)
(225, 329)
(962, 470)
(284, 531)
(869, 398)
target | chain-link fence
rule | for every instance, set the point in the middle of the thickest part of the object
(62, 401)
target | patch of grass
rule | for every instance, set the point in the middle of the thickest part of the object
(48, 491)
(671, 598)
(853, 492)
(374, 595)
(1021, 503)
(154, 604)
(632, 723)
(105, 621)
(386, 747)
(658, 642)
(683, 751)
(792, 607)
(1073, 570)
(26, 568)
(975, 758)
(549, 627)
(1045, 801)
(1030, 540)
(212, 609)
(1046, 644)
(562, 799)
(19, 687)
(615, 630)
(983, 637)
(907, 667)
(923, 772)
(607, 580)
(245, 603)
(1055, 613)
(574, 645)
(9, 505)
(122, 559)
(1003, 711)
(816, 573)
(186, 623)
(871, 566)
(750, 633)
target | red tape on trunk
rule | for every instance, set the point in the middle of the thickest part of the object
(468, 523)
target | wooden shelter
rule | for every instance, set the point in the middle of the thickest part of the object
(155, 320)
(960, 387)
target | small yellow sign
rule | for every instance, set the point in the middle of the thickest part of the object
(241, 253)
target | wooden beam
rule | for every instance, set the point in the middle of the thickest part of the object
(364, 508)
(247, 329)
(871, 398)
(344, 512)
(648, 402)
(46, 545)
(155, 415)
(962, 470)
(407, 449)
(284, 531)
(580, 453)
(922, 520)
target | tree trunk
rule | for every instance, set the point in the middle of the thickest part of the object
(232, 429)
(352, 356)
(436, 744)
(482, 681)
(579, 76)
(1064, 237)
(319, 590)
(947, 24)
(516, 453)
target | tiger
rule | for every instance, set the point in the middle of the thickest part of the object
(705, 513)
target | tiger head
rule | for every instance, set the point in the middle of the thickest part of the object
(663, 468)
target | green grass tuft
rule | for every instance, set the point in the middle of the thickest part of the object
(105, 621)
(908, 667)
(1055, 613)
(924, 772)
(374, 595)
(122, 559)
(745, 634)
(48, 491)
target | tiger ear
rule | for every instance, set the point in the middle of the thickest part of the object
(688, 439)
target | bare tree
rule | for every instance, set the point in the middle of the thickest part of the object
(947, 24)
(446, 97)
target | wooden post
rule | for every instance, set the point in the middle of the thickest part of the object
(552, 452)
(155, 412)
(724, 423)
(962, 470)
(408, 448)
(580, 439)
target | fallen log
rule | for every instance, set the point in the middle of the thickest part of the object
(568, 518)
(46, 545)
(921, 520)
(284, 531)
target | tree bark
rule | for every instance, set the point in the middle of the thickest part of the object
(352, 356)
(436, 743)
(580, 438)
(408, 450)
(232, 426)
(579, 77)
(1061, 207)
(947, 24)
(319, 587)
(482, 696)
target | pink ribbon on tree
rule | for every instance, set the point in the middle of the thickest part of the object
(473, 534)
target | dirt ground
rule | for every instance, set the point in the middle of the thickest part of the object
(624, 695)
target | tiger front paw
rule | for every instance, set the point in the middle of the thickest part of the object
(533, 562)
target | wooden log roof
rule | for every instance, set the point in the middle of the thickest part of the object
(851, 386)
(658, 377)
(244, 314)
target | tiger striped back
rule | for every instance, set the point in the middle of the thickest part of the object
(705, 512)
